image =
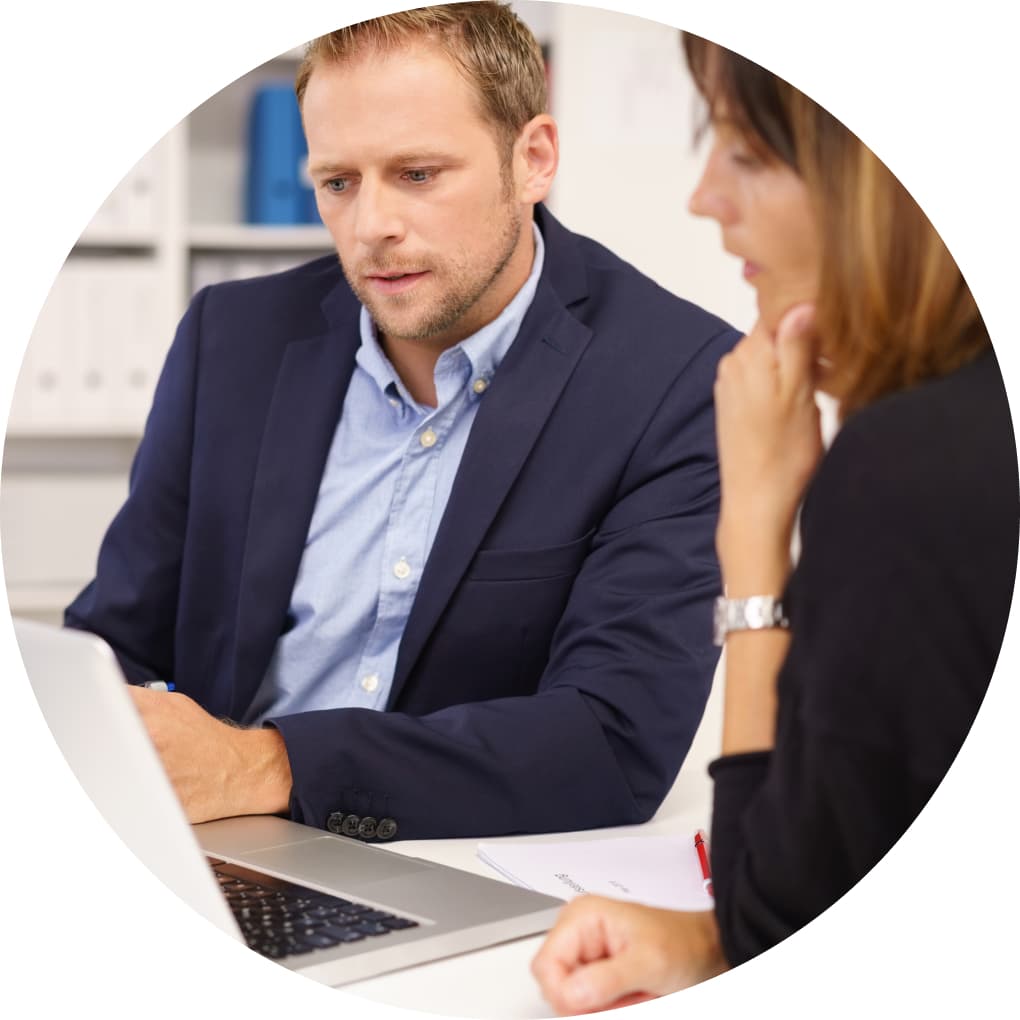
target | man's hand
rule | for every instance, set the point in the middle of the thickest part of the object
(217, 770)
(604, 953)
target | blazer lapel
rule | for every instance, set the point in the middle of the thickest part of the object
(305, 408)
(522, 395)
(307, 400)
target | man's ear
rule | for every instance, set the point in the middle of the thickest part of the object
(536, 157)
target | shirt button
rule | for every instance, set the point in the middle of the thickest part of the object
(401, 569)
(428, 439)
(370, 683)
(480, 385)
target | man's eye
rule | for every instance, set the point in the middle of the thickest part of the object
(336, 185)
(419, 176)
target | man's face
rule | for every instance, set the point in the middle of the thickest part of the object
(412, 185)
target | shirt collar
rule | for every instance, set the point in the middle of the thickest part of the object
(484, 349)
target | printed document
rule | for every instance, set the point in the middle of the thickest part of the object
(661, 871)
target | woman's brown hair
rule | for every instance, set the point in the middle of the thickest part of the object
(893, 307)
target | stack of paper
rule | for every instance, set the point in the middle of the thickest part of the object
(661, 871)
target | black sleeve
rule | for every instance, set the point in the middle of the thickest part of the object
(793, 831)
(898, 608)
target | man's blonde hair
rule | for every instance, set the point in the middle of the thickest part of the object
(491, 47)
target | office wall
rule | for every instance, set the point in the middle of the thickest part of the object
(626, 109)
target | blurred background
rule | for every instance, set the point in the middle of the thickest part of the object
(222, 196)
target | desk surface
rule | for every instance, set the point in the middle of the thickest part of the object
(496, 982)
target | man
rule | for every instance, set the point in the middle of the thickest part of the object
(428, 552)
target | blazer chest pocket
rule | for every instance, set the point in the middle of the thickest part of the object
(530, 564)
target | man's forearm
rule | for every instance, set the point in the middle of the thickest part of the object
(264, 779)
(217, 769)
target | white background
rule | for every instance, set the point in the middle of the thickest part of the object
(87, 88)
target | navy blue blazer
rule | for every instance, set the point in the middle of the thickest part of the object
(558, 655)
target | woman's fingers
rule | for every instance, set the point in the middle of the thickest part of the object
(604, 953)
(573, 941)
(584, 963)
(611, 981)
(796, 351)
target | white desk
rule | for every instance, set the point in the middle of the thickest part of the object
(496, 982)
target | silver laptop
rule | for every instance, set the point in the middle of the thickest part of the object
(328, 907)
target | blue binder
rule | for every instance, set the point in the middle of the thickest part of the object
(277, 187)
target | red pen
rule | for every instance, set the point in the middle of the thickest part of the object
(702, 847)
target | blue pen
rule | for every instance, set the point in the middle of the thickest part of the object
(159, 685)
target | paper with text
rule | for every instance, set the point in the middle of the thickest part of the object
(661, 871)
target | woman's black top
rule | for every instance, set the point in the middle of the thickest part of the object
(897, 607)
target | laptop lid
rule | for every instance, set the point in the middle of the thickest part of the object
(80, 688)
(82, 692)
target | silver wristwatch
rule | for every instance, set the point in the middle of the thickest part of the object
(758, 612)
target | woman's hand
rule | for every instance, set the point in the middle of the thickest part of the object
(769, 436)
(604, 953)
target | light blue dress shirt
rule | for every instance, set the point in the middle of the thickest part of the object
(387, 480)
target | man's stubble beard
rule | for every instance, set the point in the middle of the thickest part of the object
(464, 293)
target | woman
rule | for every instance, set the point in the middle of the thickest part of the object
(849, 700)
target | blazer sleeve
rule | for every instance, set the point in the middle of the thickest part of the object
(628, 674)
(132, 602)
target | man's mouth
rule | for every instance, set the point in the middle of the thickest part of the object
(394, 283)
(390, 273)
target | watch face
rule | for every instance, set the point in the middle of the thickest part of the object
(755, 615)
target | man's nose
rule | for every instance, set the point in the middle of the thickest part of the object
(378, 215)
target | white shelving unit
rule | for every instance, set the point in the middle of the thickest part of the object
(174, 222)
(624, 108)
(229, 237)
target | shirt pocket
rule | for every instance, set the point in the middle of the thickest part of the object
(530, 564)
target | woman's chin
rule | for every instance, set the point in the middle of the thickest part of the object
(772, 309)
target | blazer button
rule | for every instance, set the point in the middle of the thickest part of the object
(367, 828)
(350, 825)
(386, 829)
(335, 822)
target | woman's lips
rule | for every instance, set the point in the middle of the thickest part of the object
(751, 270)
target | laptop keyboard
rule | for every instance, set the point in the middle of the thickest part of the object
(279, 918)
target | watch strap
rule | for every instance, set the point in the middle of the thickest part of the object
(756, 612)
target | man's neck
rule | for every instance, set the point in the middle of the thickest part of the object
(414, 360)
